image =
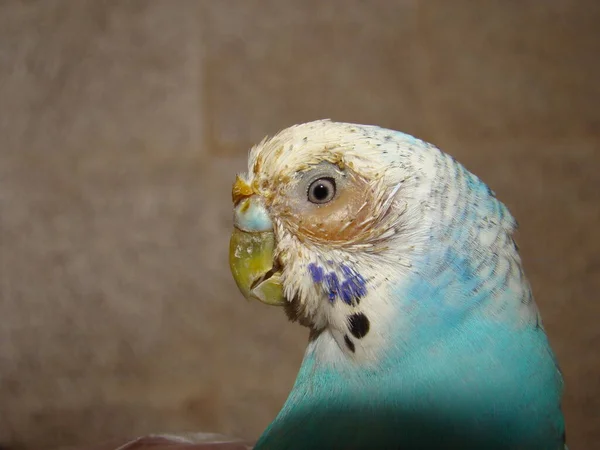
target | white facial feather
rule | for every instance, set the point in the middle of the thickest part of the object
(406, 175)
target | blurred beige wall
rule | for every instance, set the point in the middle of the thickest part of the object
(122, 124)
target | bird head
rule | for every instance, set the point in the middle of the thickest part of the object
(328, 219)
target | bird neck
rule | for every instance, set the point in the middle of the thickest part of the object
(486, 385)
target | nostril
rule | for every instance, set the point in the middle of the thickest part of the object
(251, 215)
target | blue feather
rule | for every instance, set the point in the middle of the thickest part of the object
(469, 368)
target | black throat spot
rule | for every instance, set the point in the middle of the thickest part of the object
(348, 342)
(359, 325)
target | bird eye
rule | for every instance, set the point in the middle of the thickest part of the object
(321, 191)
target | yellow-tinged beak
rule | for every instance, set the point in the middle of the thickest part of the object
(251, 249)
(253, 268)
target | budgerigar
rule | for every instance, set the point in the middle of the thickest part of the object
(423, 330)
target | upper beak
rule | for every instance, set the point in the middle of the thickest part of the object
(251, 252)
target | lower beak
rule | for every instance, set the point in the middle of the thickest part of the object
(254, 267)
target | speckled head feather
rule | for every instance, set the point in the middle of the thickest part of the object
(412, 285)
(396, 195)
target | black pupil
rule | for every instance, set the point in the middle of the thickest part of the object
(321, 191)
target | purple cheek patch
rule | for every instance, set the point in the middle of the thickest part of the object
(332, 283)
(316, 272)
(350, 290)
(353, 289)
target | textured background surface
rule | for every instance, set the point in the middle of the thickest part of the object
(122, 124)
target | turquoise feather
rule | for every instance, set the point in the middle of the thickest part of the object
(473, 369)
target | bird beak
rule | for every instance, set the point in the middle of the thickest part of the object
(251, 252)
(253, 268)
